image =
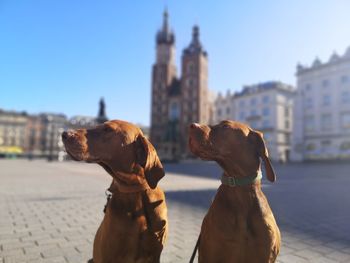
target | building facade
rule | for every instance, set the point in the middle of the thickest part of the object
(267, 107)
(177, 101)
(13, 132)
(322, 110)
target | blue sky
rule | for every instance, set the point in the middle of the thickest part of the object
(62, 56)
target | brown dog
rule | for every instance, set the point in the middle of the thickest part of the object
(239, 226)
(134, 227)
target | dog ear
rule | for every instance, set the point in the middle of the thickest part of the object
(259, 142)
(147, 157)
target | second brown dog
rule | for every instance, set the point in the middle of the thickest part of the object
(239, 226)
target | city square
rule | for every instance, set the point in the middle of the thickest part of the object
(50, 211)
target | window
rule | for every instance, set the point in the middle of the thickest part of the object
(286, 124)
(228, 110)
(190, 83)
(242, 116)
(308, 103)
(325, 145)
(345, 120)
(174, 111)
(241, 103)
(267, 136)
(325, 83)
(326, 100)
(266, 99)
(266, 123)
(254, 124)
(219, 112)
(253, 113)
(309, 123)
(344, 79)
(253, 101)
(266, 111)
(310, 147)
(308, 87)
(287, 138)
(345, 97)
(326, 121)
(190, 68)
(286, 112)
(345, 146)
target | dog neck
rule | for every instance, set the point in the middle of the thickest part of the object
(234, 181)
(123, 186)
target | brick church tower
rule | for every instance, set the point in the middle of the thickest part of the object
(194, 86)
(177, 102)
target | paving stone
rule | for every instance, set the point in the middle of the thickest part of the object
(55, 217)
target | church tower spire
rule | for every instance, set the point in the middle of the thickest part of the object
(163, 75)
(165, 35)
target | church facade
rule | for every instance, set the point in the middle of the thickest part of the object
(177, 100)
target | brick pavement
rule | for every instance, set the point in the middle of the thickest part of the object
(50, 211)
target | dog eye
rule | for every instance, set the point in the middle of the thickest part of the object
(225, 126)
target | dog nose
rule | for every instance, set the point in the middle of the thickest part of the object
(64, 135)
(194, 125)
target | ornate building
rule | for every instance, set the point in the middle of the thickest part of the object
(177, 101)
(267, 107)
(322, 110)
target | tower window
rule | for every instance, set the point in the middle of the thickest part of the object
(190, 68)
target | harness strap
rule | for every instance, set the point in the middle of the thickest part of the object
(195, 249)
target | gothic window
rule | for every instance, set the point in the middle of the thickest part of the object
(174, 112)
(190, 68)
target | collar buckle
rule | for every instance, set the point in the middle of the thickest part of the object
(231, 181)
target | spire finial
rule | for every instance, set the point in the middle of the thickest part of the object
(165, 20)
(195, 34)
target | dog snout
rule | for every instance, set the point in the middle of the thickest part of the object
(64, 135)
(67, 134)
(194, 125)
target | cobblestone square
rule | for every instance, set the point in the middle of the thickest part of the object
(51, 211)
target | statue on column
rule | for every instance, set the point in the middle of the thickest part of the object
(101, 117)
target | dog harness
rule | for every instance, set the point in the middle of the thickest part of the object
(247, 180)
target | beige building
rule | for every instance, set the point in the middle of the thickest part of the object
(13, 132)
(177, 101)
(267, 107)
(322, 110)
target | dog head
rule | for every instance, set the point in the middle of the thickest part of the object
(120, 148)
(234, 146)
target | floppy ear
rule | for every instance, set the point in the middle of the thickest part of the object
(259, 142)
(147, 157)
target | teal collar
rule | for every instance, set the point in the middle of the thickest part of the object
(232, 181)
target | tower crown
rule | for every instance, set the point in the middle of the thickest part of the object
(165, 35)
(195, 46)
